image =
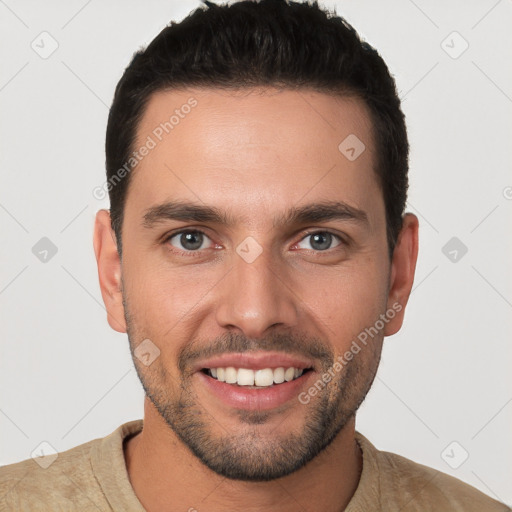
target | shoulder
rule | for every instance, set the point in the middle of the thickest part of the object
(414, 487)
(49, 480)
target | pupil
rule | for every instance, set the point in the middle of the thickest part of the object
(191, 241)
(317, 240)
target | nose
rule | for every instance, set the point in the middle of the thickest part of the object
(255, 296)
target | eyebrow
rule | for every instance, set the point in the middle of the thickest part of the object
(311, 213)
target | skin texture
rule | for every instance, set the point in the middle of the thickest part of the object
(254, 155)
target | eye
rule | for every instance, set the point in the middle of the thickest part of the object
(189, 241)
(320, 241)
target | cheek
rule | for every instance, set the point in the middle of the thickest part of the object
(349, 300)
(164, 300)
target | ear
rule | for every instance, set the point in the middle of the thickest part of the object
(403, 266)
(109, 270)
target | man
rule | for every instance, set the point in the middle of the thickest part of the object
(256, 253)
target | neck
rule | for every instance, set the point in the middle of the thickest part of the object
(166, 476)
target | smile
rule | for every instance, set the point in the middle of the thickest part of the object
(262, 378)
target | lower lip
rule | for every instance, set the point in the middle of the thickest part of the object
(241, 397)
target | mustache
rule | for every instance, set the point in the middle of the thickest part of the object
(297, 344)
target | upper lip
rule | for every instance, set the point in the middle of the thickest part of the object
(254, 361)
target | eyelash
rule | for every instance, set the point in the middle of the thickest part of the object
(196, 253)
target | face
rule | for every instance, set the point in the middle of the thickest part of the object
(254, 256)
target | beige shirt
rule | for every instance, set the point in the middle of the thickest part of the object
(93, 477)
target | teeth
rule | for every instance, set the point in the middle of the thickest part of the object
(260, 378)
(245, 377)
(231, 375)
(264, 377)
(278, 375)
(289, 374)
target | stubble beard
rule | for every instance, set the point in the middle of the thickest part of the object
(253, 452)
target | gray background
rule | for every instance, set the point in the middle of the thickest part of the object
(66, 377)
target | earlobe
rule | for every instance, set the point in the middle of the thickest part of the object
(109, 270)
(403, 267)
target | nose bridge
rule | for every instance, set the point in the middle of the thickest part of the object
(254, 297)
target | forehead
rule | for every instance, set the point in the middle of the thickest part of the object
(259, 149)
